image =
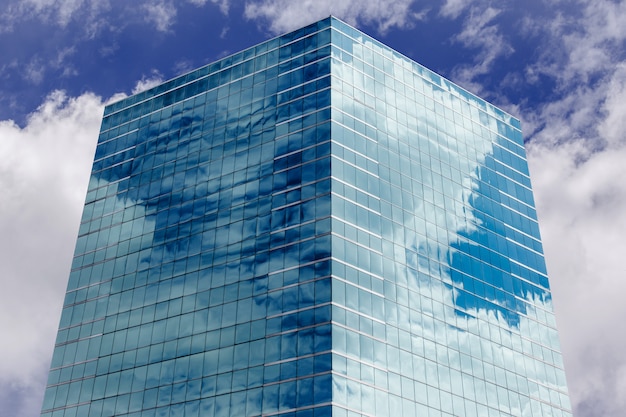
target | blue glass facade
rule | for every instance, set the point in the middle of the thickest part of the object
(315, 226)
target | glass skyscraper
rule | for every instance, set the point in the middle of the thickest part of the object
(316, 226)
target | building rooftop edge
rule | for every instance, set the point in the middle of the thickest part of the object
(319, 24)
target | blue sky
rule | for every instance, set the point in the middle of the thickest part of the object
(559, 66)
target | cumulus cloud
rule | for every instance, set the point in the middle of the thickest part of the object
(63, 61)
(160, 13)
(581, 197)
(285, 15)
(613, 127)
(34, 71)
(95, 16)
(183, 66)
(58, 12)
(480, 32)
(224, 5)
(577, 153)
(44, 173)
(580, 47)
(147, 82)
(453, 8)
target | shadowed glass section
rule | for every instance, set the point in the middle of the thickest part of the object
(201, 278)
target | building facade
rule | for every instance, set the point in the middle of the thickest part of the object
(314, 226)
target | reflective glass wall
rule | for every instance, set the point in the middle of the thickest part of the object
(201, 279)
(315, 226)
(441, 303)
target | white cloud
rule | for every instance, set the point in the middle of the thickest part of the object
(60, 12)
(453, 8)
(160, 13)
(43, 176)
(95, 16)
(285, 15)
(155, 78)
(63, 62)
(110, 49)
(34, 71)
(577, 153)
(224, 5)
(183, 66)
(579, 47)
(581, 209)
(224, 32)
(480, 32)
(613, 127)
(92, 13)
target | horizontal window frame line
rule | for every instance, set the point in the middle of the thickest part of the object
(306, 407)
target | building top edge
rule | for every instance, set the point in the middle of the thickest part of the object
(284, 39)
(232, 59)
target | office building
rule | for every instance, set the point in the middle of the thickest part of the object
(316, 226)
